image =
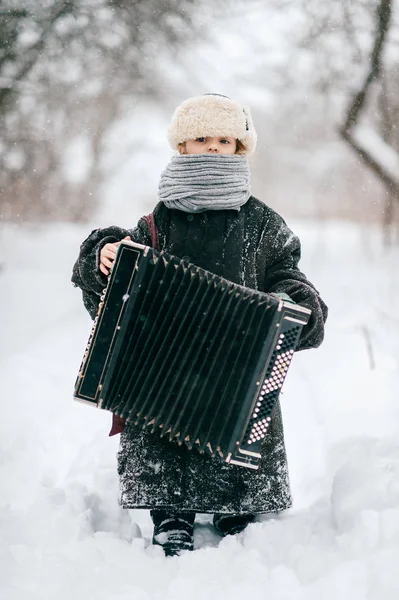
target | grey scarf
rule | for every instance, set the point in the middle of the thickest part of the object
(197, 182)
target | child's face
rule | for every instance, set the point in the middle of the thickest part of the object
(209, 145)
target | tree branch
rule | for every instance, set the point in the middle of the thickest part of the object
(371, 162)
(64, 7)
(380, 168)
(384, 16)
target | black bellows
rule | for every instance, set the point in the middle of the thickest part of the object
(188, 354)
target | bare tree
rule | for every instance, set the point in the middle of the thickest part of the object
(68, 69)
(373, 148)
(352, 46)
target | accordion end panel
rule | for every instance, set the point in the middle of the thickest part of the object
(106, 325)
(268, 381)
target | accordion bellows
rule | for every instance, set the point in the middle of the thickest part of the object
(188, 354)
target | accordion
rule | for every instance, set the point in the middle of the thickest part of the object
(191, 356)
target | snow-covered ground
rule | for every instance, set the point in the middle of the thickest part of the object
(62, 534)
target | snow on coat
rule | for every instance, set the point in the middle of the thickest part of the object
(252, 247)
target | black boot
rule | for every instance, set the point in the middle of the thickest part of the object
(231, 524)
(173, 531)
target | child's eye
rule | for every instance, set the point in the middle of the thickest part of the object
(224, 141)
(200, 139)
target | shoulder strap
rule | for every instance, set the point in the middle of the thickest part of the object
(150, 220)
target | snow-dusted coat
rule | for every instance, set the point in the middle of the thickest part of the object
(251, 247)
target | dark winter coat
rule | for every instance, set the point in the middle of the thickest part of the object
(252, 247)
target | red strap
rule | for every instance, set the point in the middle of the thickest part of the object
(150, 220)
(118, 424)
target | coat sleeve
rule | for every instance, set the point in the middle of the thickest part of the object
(86, 273)
(282, 275)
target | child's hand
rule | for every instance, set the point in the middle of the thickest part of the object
(107, 255)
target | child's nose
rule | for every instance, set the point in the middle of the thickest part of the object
(213, 147)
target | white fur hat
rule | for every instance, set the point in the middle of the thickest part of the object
(212, 115)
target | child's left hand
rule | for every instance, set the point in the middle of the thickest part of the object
(107, 255)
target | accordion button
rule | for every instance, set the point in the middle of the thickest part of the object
(190, 217)
(186, 258)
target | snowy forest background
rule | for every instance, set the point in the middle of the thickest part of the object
(87, 88)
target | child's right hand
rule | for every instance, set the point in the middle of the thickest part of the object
(107, 255)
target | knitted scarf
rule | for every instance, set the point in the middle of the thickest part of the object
(197, 182)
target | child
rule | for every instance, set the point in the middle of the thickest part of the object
(207, 215)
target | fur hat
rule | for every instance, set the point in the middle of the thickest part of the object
(212, 115)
